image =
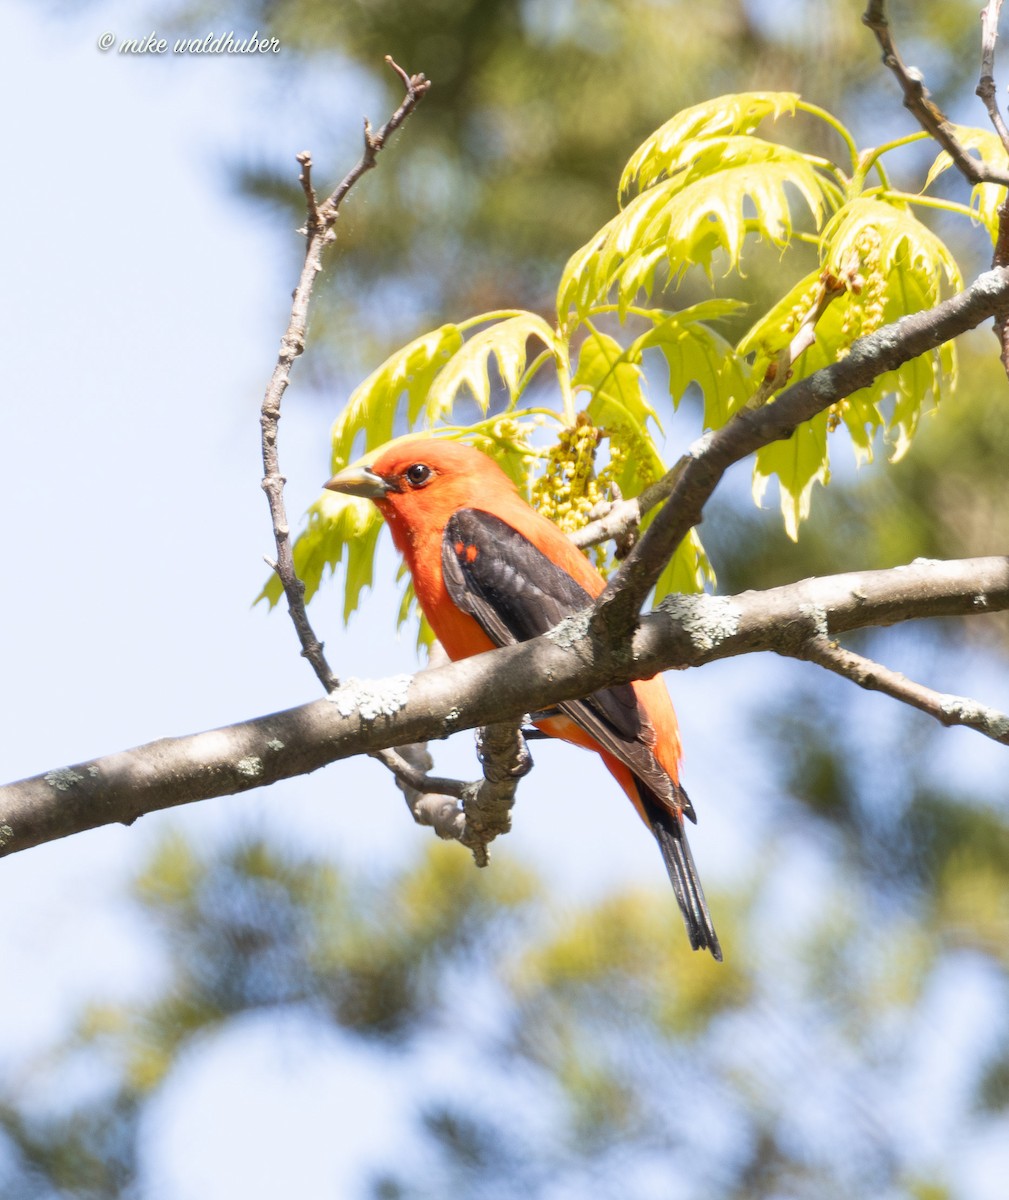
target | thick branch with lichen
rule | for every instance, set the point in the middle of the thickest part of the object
(503, 685)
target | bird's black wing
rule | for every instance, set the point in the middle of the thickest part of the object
(515, 593)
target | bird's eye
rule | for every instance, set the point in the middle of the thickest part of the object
(418, 475)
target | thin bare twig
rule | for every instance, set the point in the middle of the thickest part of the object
(319, 233)
(945, 708)
(986, 84)
(311, 201)
(920, 104)
(416, 87)
(485, 805)
(986, 90)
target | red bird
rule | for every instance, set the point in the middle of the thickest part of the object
(490, 571)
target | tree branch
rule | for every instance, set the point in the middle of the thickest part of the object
(944, 707)
(986, 83)
(918, 102)
(986, 90)
(484, 808)
(503, 685)
(319, 232)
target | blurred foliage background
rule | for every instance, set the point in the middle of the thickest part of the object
(601, 1056)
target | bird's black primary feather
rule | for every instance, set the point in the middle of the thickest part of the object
(672, 838)
(514, 592)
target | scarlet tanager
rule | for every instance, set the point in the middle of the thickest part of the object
(490, 571)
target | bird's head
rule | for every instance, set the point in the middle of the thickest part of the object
(418, 475)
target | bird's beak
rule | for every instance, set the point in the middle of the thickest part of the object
(358, 481)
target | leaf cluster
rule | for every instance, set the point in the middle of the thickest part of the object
(693, 199)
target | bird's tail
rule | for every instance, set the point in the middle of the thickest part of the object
(672, 838)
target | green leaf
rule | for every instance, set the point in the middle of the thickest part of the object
(617, 403)
(505, 440)
(732, 187)
(883, 234)
(469, 368)
(797, 462)
(774, 330)
(902, 266)
(985, 198)
(430, 371)
(337, 525)
(672, 144)
(695, 353)
(687, 571)
(372, 404)
(922, 380)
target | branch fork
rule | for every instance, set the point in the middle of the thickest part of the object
(935, 123)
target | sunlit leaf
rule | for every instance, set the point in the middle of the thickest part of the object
(468, 369)
(880, 234)
(506, 440)
(617, 403)
(797, 463)
(372, 406)
(985, 198)
(337, 525)
(664, 151)
(687, 571)
(901, 268)
(697, 354)
(732, 188)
